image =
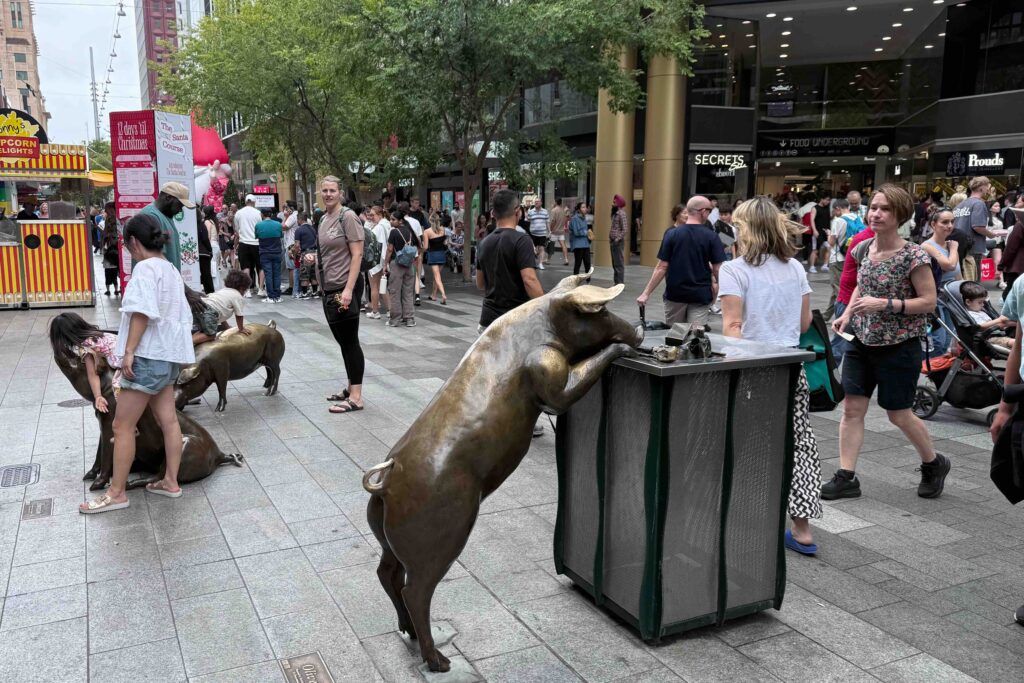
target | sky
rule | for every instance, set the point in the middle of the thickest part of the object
(65, 29)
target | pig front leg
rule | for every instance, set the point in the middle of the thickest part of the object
(558, 398)
(222, 390)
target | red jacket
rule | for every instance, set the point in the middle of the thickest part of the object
(848, 282)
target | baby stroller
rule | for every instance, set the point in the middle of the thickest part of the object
(967, 378)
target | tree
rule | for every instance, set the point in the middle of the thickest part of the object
(99, 155)
(282, 66)
(466, 62)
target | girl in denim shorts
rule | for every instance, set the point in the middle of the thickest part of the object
(154, 339)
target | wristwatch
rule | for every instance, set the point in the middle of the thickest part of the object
(888, 306)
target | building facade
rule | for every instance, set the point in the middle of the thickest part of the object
(160, 27)
(19, 64)
(791, 95)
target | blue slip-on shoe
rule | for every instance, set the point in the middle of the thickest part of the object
(799, 547)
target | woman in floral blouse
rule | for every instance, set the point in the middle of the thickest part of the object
(888, 317)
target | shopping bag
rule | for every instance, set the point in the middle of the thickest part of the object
(826, 390)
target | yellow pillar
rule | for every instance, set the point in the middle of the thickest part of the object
(663, 152)
(285, 187)
(613, 166)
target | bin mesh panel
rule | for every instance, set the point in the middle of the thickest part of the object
(579, 539)
(629, 419)
(696, 445)
(752, 528)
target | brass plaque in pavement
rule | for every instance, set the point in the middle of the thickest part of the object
(306, 669)
(37, 509)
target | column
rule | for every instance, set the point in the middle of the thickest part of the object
(663, 152)
(613, 165)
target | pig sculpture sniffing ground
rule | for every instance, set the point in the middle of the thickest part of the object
(542, 356)
(230, 357)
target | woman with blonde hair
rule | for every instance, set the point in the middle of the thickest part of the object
(766, 298)
(437, 255)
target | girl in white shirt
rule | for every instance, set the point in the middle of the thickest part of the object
(766, 298)
(154, 339)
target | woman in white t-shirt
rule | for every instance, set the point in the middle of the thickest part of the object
(381, 228)
(766, 298)
(154, 340)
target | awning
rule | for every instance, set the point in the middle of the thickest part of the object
(101, 178)
(54, 161)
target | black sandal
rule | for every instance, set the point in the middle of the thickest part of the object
(347, 405)
(338, 397)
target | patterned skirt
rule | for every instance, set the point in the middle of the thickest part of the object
(805, 488)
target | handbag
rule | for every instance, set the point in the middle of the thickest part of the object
(590, 234)
(826, 391)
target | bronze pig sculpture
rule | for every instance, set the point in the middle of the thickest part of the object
(229, 357)
(200, 455)
(542, 356)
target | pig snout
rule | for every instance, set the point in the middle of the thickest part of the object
(624, 332)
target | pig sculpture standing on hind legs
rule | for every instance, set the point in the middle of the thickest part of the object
(542, 356)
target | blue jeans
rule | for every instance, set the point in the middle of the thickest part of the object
(938, 336)
(295, 282)
(272, 274)
(839, 345)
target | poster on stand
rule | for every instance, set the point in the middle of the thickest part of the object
(435, 200)
(460, 199)
(174, 164)
(149, 149)
(447, 199)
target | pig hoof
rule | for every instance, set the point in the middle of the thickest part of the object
(438, 662)
(222, 406)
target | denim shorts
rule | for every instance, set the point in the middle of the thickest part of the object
(151, 376)
(893, 369)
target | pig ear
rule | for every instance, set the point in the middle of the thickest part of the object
(574, 281)
(188, 373)
(591, 299)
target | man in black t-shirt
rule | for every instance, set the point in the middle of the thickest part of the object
(822, 225)
(505, 263)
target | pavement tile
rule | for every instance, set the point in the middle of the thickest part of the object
(361, 598)
(700, 656)
(263, 672)
(921, 529)
(831, 584)
(922, 667)
(841, 632)
(321, 629)
(342, 553)
(52, 538)
(30, 578)
(282, 582)
(948, 642)
(48, 652)
(202, 579)
(756, 626)
(127, 612)
(259, 530)
(322, 529)
(219, 631)
(55, 604)
(120, 552)
(932, 561)
(570, 628)
(158, 662)
(193, 551)
(791, 656)
(299, 501)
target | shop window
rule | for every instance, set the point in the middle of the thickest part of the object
(20, 57)
(553, 101)
(724, 65)
(21, 75)
(17, 20)
(984, 48)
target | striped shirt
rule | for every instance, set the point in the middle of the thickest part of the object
(618, 229)
(538, 221)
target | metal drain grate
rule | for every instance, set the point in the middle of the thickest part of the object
(18, 475)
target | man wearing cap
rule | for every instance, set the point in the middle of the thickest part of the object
(245, 221)
(169, 203)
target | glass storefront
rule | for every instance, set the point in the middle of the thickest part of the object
(984, 48)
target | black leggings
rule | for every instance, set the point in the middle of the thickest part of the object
(581, 257)
(205, 276)
(345, 328)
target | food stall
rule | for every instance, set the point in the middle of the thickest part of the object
(43, 262)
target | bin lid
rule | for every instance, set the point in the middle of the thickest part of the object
(730, 354)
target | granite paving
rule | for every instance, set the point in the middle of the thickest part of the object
(275, 560)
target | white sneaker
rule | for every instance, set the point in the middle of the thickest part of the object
(540, 266)
(268, 300)
(248, 294)
(715, 309)
(813, 269)
(824, 269)
(262, 292)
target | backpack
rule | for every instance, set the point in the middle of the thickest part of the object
(854, 226)
(407, 255)
(371, 249)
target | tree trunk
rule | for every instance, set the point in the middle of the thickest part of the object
(470, 183)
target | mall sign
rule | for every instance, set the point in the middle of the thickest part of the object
(854, 142)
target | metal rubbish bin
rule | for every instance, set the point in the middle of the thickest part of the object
(673, 481)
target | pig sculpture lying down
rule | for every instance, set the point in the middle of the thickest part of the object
(200, 455)
(543, 356)
(232, 356)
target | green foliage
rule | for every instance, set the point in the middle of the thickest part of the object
(99, 155)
